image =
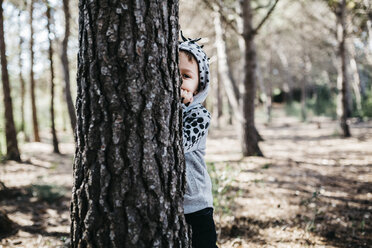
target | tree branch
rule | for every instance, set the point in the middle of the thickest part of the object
(261, 7)
(255, 31)
(217, 7)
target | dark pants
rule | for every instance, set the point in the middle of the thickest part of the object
(203, 228)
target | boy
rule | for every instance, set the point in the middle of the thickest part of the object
(198, 199)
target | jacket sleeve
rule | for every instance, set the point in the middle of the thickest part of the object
(195, 128)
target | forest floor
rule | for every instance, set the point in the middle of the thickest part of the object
(312, 188)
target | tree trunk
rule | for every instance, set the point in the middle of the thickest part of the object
(368, 47)
(21, 79)
(234, 83)
(267, 93)
(223, 69)
(231, 113)
(250, 138)
(54, 134)
(287, 87)
(303, 99)
(129, 169)
(63, 114)
(305, 79)
(10, 131)
(219, 100)
(32, 79)
(356, 82)
(241, 43)
(341, 35)
(65, 65)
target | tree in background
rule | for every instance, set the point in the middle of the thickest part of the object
(343, 82)
(129, 170)
(10, 131)
(65, 65)
(343, 10)
(244, 112)
(22, 7)
(32, 77)
(52, 118)
(250, 134)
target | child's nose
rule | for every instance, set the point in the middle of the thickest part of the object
(185, 89)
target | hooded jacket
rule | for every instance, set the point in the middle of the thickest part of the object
(196, 121)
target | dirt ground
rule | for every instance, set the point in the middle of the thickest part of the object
(312, 188)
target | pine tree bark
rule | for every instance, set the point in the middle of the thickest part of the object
(250, 138)
(53, 129)
(10, 131)
(32, 78)
(65, 65)
(129, 169)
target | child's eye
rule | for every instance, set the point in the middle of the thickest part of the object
(185, 76)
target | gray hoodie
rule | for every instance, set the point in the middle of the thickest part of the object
(196, 121)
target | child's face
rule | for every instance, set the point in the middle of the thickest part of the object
(189, 73)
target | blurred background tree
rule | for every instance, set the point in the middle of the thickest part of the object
(312, 57)
(270, 60)
(307, 59)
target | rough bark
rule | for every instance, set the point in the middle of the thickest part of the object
(10, 131)
(129, 170)
(65, 65)
(53, 129)
(250, 138)
(344, 109)
(32, 78)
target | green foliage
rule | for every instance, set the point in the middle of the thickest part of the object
(223, 191)
(322, 103)
(367, 105)
(47, 192)
(266, 166)
(293, 109)
(2, 158)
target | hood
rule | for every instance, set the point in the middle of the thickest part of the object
(203, 64)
